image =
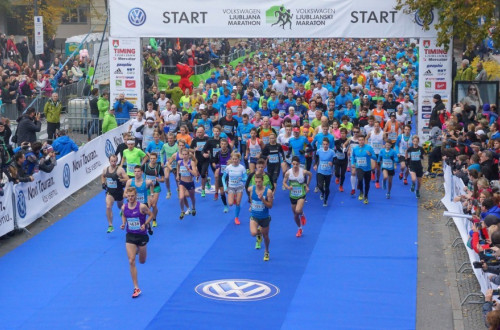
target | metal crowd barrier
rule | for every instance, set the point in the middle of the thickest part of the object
(83, 129)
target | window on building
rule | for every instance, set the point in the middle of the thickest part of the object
(77, 15)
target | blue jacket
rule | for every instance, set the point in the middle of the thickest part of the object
(495, 210)
(63, 145)
(122, 110)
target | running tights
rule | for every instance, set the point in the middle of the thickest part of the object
(340, 170)
(323, 182)
(273, 171)
(366, 178)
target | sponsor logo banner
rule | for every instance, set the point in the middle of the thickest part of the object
(73, 171)
(435, 73)
(124, 59)
(7, 210)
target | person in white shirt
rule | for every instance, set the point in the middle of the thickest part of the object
(162, 101)
(173, 118)
(280, 85)
(383, 84)
(134, 125)
(247, 110)
(150, 113)
(321, 91)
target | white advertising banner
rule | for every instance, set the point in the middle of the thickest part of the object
(73, 171)
(101, 73)
(6, 210)
(434, 74)
(125, 69)
(265, 19)
(38, 35)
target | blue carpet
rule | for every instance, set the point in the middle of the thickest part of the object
(355, 267)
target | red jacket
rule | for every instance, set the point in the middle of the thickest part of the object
(475, 240)
(11, 46)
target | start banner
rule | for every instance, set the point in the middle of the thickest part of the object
(6, 210)
(73, 171)
(265, 19)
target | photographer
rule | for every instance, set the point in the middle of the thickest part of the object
(439, 109)
(28, 125)
(48, 159)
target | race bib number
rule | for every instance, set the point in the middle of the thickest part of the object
(134, 224)
(361, 161)
(234, 181)
(141, 198)
(297, 191)
(294, 122)
(223, 168)
(377, 146)
(200, 145)
(228, 129)
(274, 158)
(152, 178)
(325, 166)
(258, 206)
(265, 139)
(415, 156)
(111, 183)
(215, 151)
(282, 113)
(253, 153)
(392, 136)
(130, 167)
(387, 163)
(245, 137)
(340, 155)
(184, 171)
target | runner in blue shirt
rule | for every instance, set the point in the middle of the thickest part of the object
(155, 146)
(387, 158)
(361, 157)
(243, 134)
(261, 200)
(318, 138)
(324, 168)
(298, 144)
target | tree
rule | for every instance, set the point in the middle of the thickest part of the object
(51, 10)
(457, 19)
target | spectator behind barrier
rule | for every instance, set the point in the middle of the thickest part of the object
(63, 145)
(16, 172)
(122, 108)
(28, 125)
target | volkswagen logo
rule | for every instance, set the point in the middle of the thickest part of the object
(237, 290)
(109, 149)
(21, 204)
(420, 21)
(136, 16)
(66, 176)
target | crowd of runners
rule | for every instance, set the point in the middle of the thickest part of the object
(296, 109)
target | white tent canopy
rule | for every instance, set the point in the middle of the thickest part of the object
(93, 37)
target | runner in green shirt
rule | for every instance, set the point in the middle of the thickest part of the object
(132, 157)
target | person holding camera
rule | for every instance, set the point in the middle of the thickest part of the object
(28, 125)
(439, 109)
(122, 109)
